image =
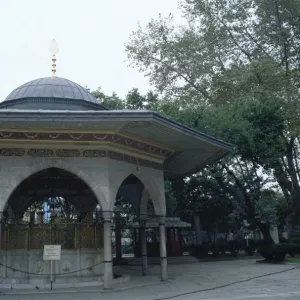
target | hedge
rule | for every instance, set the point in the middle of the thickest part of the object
(278, 252)
(233, 247)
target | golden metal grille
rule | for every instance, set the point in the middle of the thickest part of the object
(69, 236)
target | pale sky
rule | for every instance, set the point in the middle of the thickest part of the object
(90, 33)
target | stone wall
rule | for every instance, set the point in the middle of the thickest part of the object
(87, 262)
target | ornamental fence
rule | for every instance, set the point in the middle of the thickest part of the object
(33, 230)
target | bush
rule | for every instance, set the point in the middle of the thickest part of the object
(186, 248)
(250, 250)
(222, 247)
(295, 240)
(127, 249)
(266, 252)
(284, 240)
(255, 244)
(234, 247)
(278, 252)
(201, 251)
(292, 248)
(217, 248)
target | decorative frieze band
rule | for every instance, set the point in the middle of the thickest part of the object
(67, 153)
(40, 152)
(12, 152)
(84, 137)
(76, 153)
(94, 153)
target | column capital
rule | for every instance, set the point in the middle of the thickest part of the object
(143, 217)
(143, 223)
(107, 216)
(162, 221)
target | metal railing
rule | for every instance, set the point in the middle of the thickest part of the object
(31, 230)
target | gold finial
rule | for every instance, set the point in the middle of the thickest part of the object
(54, 50)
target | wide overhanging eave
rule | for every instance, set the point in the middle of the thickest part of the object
(15, 115)
(198, 166)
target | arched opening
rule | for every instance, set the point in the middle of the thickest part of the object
(133, 205)
(52, 207)
(136, 204)
(56, 200)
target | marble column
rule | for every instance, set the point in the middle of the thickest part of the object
(108, 265)
(144, 247)
(163, 251)
(118, 236)
(2, 248)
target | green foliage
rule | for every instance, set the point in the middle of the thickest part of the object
(203, 196)
(170, 199)
(266, 207)
(233, 71)
(295, 241)
(109, 102)
(133, 100)
(221, 48)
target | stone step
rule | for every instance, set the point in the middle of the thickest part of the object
(24, 286)
(171, 260)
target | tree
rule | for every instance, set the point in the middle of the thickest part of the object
(240, 56)
(220, 36)
(206, 198)
(113, 102)
(247, 173)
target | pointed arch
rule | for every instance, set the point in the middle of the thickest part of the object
(27, 172)
(154, 188)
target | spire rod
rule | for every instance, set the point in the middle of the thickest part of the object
(54, 50)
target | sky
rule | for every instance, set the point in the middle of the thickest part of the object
(90, 34)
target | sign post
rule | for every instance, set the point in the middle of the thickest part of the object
(52, 252)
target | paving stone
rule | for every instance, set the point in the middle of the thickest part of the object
(205, 281)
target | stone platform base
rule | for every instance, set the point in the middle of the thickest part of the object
(28, 267)
(45, 283)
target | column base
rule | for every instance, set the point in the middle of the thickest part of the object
(164, 268)
(144, 264)
(108, 275)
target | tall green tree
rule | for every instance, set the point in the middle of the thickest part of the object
(243, 57)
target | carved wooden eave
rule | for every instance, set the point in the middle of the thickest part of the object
(152, 138)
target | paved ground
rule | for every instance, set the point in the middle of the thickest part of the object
(205, 281)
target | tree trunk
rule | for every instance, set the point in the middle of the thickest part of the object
(289, 225)
(197, 226)
(265, 230)
(283, 181)
(293, 173)
(274, 234)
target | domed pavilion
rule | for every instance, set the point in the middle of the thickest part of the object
(65, 159)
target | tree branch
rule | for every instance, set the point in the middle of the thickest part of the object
(188, 80)
(247, 54)
(284, 44)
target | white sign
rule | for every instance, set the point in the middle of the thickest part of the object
(52, 252)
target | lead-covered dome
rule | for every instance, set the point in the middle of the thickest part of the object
(51, 93)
